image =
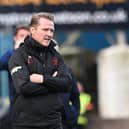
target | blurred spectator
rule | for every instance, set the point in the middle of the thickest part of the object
(85, 105)
(20, 33)
(71, 107)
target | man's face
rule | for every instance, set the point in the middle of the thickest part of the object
(20, 36)
(43, 32)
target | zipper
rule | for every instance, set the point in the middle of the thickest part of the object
(43, 58)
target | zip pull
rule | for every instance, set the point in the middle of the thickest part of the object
(44, 66)
(41, 54)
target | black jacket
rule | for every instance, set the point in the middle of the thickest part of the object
(38, 104)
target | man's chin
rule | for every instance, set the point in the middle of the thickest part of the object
(46, 44)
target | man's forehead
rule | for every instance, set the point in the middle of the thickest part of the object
(23, 30)
(46, 26)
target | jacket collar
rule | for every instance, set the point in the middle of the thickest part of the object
(33, 45)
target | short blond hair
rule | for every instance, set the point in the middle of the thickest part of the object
(35, 18)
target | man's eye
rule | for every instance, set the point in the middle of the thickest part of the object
(52, 30)
(44, 29)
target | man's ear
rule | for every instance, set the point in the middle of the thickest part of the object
(32, 30)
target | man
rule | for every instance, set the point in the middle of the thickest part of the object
(71, 109)
(39, 75)
(19, 35)
(85, 105)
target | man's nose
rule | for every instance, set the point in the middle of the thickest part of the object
(50, 33)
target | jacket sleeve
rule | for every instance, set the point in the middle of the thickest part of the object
(60, 83)
(4, 60)
(20, 76)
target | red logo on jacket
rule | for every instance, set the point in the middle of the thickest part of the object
(55, 61)
(30, 60)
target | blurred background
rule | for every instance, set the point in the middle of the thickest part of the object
(84, 30)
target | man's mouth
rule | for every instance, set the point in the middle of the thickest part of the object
(47, 39)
